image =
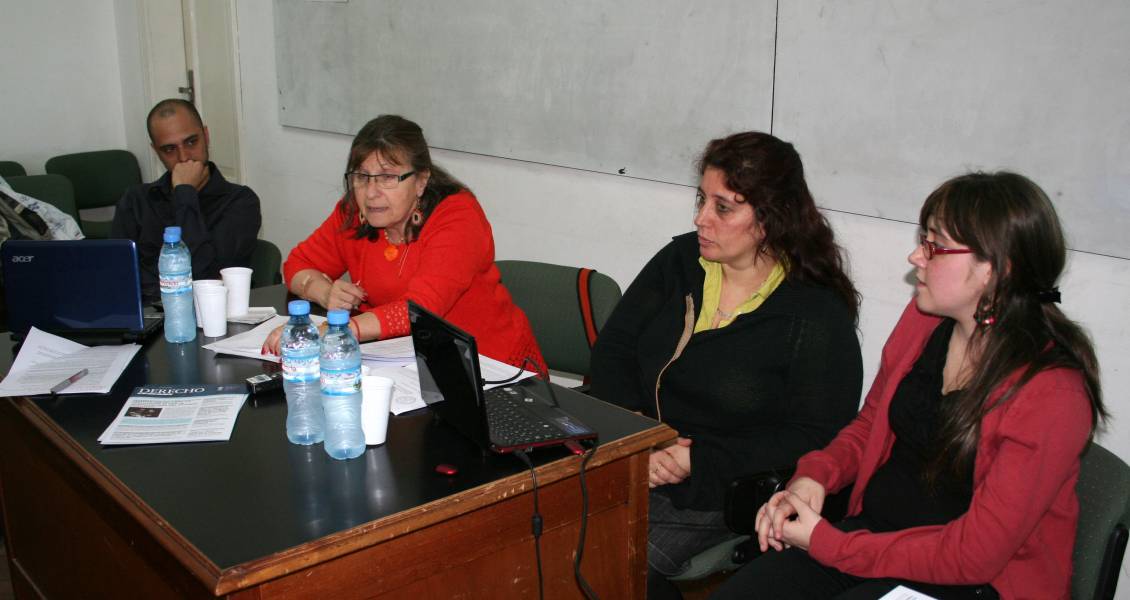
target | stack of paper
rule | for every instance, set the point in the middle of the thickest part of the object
(45, 361)
(406, 395)
(393, 358)
(249, 344)
(255, 315)
(397, 352)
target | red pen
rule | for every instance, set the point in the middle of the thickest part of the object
(64, 384)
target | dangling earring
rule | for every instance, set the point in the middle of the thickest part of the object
(417, 215)
(984, 314)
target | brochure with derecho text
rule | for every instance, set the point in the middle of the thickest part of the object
(160, 414)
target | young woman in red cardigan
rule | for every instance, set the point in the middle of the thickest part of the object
(965, 455)
(406, 229)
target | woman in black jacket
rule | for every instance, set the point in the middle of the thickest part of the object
(740, 336)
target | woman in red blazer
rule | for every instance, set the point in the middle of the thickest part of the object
(406, 229)
(966, 453)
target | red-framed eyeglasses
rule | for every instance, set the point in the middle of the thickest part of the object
(931, 249)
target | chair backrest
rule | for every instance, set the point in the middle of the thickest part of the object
(10, 168)
(1104, 516)
(566, 307)
(265, 262)
(55, 190)
(100, 178)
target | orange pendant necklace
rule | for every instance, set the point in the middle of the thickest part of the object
(392, 250)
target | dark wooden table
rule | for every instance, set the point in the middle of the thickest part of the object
(258, 517)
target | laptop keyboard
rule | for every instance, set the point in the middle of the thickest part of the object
(512, 423)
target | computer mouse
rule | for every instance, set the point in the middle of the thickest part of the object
(446, 469)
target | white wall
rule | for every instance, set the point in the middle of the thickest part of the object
(60, 84)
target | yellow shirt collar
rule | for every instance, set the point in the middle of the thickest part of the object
(712, 294)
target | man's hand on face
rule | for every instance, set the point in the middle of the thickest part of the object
(192, 172)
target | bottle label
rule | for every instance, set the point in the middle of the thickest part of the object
(301, 368)
(176, 283)
(341, 382)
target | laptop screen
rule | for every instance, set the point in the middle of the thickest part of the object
(72, 285)
(447, 359)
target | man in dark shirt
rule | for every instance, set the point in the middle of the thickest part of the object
(219, 220)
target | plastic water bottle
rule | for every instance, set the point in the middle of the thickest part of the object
(304, 418)
(341, 388)
(175, 269)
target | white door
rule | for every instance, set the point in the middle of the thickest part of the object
(191, 54)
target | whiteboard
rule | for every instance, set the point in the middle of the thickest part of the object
(634, 87)
(886, 100)
(883, 99)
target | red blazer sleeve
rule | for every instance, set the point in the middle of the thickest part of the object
(1033, 445)
(456, 245)
(322, 250)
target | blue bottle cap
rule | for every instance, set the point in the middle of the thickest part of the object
(172, 234)
(298, 308)
(337, 317)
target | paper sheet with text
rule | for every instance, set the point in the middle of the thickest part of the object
(45, 360)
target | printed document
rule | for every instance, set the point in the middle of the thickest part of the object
(46, 360)
(249, 344)
(406, 394)
(161, 414)
(396, 352)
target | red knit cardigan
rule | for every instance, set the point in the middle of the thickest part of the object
(1019, 530)
(449, 270)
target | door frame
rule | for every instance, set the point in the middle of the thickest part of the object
(168, 42)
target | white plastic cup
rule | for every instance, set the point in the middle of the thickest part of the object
(238, 282)
(376, 396)
(196, 285)
(213, 310)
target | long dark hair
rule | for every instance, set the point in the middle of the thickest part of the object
(1007, 220)
(402, 141)
(767, 174)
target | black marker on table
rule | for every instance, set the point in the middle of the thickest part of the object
(64, 384)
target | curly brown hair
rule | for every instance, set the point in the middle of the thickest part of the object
(766, 173)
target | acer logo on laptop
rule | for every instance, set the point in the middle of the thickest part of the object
(22, 258)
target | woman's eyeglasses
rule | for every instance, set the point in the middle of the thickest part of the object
(930, 249)
(388, 181)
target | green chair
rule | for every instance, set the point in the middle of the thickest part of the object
(566, 307)
(1104, 516)
(55, 190)
(9, 168)
(265, 262)
(100, 179)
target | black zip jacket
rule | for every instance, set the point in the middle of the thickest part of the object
(219, 224)
(757, 394)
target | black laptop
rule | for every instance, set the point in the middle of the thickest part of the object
(503, 419)
(80, 289)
